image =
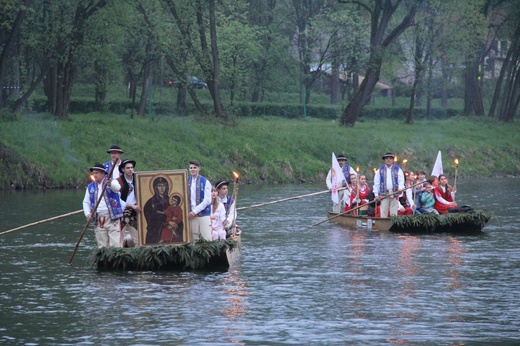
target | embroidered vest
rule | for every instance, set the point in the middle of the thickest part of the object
(125, 187)
(111, 199)
(382, 179)
(108, 167)
(199, 193)
(346, 173)
(227, 203)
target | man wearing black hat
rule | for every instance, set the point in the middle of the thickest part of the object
(227, 201)
(199, 193)
(128, 194)
(115, 156)
(107, 226)
(387, 181)
(347, 171)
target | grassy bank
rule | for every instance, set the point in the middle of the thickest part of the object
(38, 151)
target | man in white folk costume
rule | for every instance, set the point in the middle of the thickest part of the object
(115, 156)
(199, 193)
(107, 216)
(338, 178)
(388, 180)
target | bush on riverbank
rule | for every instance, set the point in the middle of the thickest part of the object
(38, 150)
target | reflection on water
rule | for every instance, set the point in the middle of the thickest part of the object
(295, 284)
(455, 252)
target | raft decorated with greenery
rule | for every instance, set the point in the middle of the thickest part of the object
(201, 255)
(456, 223)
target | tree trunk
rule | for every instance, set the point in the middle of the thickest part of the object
(64, 69)
(8, 44)
(23, 99)
(380, 16)
(429, 91)
(444, 90)
(334, 75)
(506, 73)
(393, 95)
(147, 85)
(473, 102)
(101, 87)
(215, 86)
(362, 96)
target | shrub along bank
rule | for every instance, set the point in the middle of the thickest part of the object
(37, 151)
(165, 106)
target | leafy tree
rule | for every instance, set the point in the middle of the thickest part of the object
(100, 58)
(381, 37)
(12, 15)
(268, 70)
(506, 97)
(350, 49)
(67, 22)
(197, 23)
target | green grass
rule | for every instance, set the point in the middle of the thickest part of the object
(38, 150)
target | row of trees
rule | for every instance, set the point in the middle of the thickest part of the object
(249, 47)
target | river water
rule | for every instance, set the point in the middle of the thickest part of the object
(294, 284)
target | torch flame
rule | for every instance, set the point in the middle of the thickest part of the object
(375, 170)
(405, 161)
(457, 162)
(395, 158)
(357, 169)
(91, 176)
(235, 174)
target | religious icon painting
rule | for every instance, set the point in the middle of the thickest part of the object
(162, 196)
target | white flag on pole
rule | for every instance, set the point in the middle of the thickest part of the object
(337, 179)
(437, 167)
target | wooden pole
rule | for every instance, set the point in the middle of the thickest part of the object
(287, 199)
(372, 201)
(235, 195)
(41, 221)
(93, 212)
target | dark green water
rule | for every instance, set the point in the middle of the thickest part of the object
(294, 284)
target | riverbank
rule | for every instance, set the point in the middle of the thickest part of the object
(38, 151)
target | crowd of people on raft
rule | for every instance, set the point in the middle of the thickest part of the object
(212, 212)
(395, 191)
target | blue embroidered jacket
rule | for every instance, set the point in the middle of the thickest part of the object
(111, 199)
(199, 194)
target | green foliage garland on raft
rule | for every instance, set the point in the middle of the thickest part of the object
(199, 255)
(432, 223)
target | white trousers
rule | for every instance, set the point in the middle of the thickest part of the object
(200, 227)
(339, 207)
(391, 203)
(108, 232)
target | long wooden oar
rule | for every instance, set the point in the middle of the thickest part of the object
(235, 195)
(41, 221)
(287, 199)
(93, 213)
(372, 201)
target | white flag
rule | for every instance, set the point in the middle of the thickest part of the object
(346, 197)
(437, 167)
(337, 179)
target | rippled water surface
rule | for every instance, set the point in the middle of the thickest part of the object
(294, 283)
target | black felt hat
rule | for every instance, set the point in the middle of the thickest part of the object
(341, 157)
(114, 148)
(123, 164)
(221, 183)
(388, 155)
(98, 167)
